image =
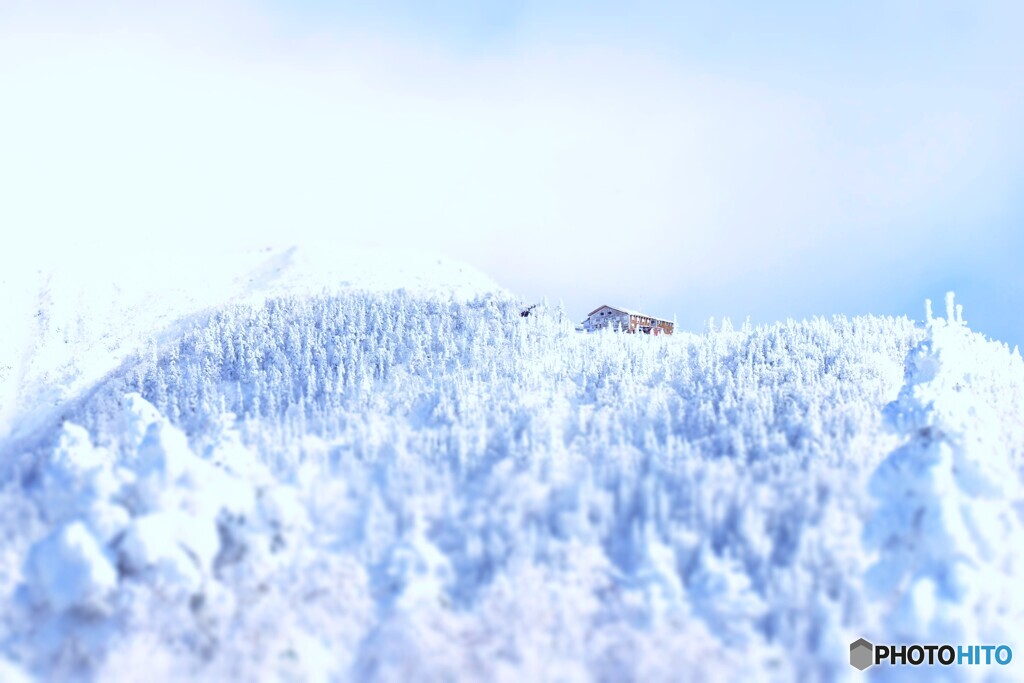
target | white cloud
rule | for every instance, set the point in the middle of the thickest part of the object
(233, 126)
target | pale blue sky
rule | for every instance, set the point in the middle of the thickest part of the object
(765, 159)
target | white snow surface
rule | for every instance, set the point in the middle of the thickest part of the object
(69, 321)
(310, 469)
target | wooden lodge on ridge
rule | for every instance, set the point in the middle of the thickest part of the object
(627, 321)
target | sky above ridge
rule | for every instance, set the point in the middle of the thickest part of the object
(775, 161)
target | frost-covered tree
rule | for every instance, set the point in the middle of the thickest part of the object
(436, 488)
(950, 548)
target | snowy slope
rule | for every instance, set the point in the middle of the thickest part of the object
(302, 479)
(69, 323)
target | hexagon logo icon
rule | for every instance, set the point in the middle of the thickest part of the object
(862, 654)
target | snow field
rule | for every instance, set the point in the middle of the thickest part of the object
(391, 486)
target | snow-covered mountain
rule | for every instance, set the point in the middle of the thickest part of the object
(301, 467)
(69, 322)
